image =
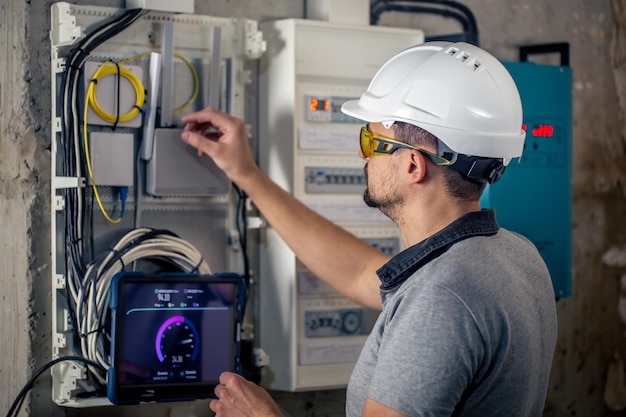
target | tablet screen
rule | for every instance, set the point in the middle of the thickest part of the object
(173, 336)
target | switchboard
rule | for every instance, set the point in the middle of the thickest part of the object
(311, 333)
(127, 192)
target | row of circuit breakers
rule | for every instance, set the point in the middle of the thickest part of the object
(311, 334)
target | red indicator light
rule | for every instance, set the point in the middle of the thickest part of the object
(544, 131)
(524, 127)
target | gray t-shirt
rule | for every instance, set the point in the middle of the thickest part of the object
(468, 327)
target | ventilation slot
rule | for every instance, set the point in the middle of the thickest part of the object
(452, 51)
(464, 56)
(476, 64)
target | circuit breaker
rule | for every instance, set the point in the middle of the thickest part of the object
(312, 334)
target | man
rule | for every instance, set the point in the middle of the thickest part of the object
(468, 322)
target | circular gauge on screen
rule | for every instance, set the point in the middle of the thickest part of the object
(177, 340)
(351, 322)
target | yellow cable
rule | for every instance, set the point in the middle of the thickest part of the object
(90, 100)
(133, 58)
(109, 68)
(196, 84)
(194, 73)
(89, 169)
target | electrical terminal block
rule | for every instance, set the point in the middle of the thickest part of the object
(69, 373)
(64, 29)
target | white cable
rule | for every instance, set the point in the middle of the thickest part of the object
(92, 295)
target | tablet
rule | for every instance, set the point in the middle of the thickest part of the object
(172, 335)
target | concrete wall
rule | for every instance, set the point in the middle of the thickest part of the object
(589, 375)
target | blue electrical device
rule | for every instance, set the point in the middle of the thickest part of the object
(534, 196)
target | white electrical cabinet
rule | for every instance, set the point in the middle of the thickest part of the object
(312, 334)
(201, 61)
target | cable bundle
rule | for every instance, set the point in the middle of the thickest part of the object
(73, 161)
(91, 295)
(70, 152)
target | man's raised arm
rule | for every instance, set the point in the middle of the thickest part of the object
(342, 260)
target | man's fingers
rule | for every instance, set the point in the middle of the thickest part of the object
(196, 127)
(237, 396)
(228, 377)
(202, 116)
(221, 392)
(209, 117)
(216, 406)
(200, 142)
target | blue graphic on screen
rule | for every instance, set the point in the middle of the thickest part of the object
(176, 332)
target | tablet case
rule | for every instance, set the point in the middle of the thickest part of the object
(172, 335)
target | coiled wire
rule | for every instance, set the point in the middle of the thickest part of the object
(92, 295)
(110, 68)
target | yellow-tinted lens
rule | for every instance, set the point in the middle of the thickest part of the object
(367, 144)
(381, 145)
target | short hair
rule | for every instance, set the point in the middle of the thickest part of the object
(457, 185)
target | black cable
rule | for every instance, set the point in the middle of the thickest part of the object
(241, 224)
(117, 108)
(117, 258)
(79, 54)
(75, 220)
(386, 4)
(19, 399)
(466, 18)
(90, 219)
(410, 8)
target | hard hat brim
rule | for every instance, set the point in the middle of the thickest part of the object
(352, 108)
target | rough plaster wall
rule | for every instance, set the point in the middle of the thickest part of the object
(23, 182)
(615, 387)
(588, 372)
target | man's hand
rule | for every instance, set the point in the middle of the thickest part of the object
(223, 137)
(237, 397)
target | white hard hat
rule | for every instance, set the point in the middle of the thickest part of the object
(456, 91)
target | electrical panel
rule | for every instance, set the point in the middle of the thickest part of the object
(121, 81)
(312, 334)
(534, 196)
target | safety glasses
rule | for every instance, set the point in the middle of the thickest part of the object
(373, 143)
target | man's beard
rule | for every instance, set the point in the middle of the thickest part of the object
(369, 200)
(388, 205)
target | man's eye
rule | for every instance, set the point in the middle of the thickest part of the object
(387, 147)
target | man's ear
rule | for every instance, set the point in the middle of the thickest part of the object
(416, 167)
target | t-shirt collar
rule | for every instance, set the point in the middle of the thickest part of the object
(404, 264)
